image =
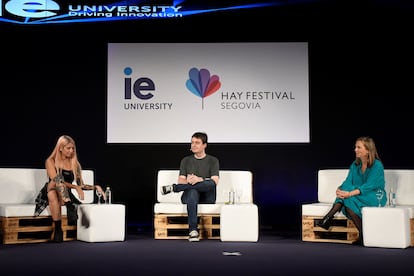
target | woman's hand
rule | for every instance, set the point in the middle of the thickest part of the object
(99, 189)
(342, 194)
(80, 192)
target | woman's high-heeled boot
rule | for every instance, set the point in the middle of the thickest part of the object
(326, 222)
(57, 235)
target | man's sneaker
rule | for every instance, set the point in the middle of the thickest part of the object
(166, 189)
(194, 237)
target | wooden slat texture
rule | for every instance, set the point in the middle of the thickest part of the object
(341, 231)
(32, 229)
(175, 226)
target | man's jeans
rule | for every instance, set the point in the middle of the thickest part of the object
(202, 192)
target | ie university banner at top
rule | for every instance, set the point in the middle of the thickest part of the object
(86, 11)
(236, 92)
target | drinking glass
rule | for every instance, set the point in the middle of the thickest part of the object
(231, 197)
(239, 193)
(99, 194)
(379, 194)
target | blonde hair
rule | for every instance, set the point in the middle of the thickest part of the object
(56, 156)
(369, 145)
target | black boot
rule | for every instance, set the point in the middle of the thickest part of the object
(72, 213)
(57, 235)
(325, 223)
(359, 242)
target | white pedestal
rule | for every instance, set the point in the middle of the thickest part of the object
(106, 222)
(386, 227)
(239, 222)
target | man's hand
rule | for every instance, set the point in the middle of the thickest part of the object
(193, 179)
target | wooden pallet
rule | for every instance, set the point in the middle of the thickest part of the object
(175, 226)
(32, 229)
(342, 230)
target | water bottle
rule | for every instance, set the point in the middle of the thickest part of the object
(108, 195)
(392, 198)
(231, 197)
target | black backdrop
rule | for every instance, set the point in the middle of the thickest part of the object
(53, 82)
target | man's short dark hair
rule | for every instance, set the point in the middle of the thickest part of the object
(200, 135)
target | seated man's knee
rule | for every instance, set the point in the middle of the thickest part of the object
(190, 196)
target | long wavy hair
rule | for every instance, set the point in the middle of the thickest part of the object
(369, 145)
(56, 156)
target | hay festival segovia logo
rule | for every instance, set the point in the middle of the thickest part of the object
(89, 11)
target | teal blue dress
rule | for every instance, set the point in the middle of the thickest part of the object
(367, 183)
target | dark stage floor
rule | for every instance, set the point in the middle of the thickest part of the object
(276, 253)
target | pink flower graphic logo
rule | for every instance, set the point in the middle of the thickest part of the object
(202, 84)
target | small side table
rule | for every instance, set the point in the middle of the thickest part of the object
(101, 222)
(386, 227)
(239, 222)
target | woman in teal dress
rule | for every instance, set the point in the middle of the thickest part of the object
(364, 179)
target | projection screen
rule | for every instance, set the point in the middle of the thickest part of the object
(235, 92)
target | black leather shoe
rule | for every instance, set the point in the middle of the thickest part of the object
(358, 242)
(167, 189)
(72, 213)
(57, 235)
(325, 223)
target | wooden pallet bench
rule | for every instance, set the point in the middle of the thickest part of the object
(328, 180)
(32, 229)
(19, 188)
(342, 230)
(412, 231)
(175, 226)
(170, 214)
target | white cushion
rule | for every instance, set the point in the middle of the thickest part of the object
(20, 187)
(318, 209)
(27, 209)
(328, 182)
(386, 227)
(401, 181)
(174, 208)
(239, 222)
(23, 210)
(106, 222)
(410, 209)
(229, 181)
